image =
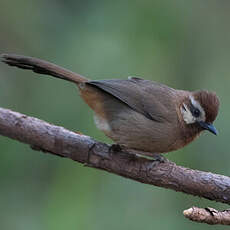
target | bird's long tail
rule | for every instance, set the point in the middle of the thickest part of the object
(42, 67)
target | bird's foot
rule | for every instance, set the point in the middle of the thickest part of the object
(160, 158)
(115, 148)
(157, 159)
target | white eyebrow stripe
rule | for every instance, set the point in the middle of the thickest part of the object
(187, 115)
(197, 105)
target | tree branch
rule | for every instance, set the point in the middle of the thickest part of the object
(208, 215)
(59, 141)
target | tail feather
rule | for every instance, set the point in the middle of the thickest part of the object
(42, 67)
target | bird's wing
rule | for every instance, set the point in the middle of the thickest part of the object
(149, 98)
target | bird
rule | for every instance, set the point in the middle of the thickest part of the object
(137, 114)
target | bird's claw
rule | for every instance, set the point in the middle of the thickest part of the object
(157, 159)
(115, 148)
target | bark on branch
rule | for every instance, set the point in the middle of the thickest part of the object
(57, 140)
(208, 215)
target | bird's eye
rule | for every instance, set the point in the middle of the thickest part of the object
(196, 112)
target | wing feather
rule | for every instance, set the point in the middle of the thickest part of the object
(141, 95)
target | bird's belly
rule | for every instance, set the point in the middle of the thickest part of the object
(134, 131)
(102, 124)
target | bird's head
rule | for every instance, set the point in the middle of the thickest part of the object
(200, 110)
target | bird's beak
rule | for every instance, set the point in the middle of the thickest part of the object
(208, 126)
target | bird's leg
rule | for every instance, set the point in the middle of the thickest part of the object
(152, 156)
(156, 158)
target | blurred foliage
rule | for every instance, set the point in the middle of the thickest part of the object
(184, 44)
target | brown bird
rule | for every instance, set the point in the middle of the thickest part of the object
(135, 113)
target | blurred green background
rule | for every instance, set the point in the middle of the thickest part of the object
(184, 44)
